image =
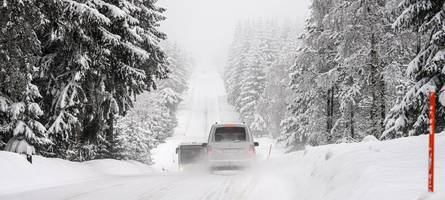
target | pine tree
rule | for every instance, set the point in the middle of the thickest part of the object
(258, 126)
(410, 115)
(312, 81)
(111, 53)
(179, 63)
(237, 61)
(256, 75)
(343, 76)
(153, 118)
(70, 54)
(252, 86)
(19, 51)
(275, 98)
(362, 87)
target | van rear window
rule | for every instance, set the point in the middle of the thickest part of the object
(230, 134)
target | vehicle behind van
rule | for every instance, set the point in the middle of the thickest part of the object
(190, 155)
(230, 146)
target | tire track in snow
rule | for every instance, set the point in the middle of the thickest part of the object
(215, 193)
(160, 191)
(244, 194)
(92, 191)
(231, 187)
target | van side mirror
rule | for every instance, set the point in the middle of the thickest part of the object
(256, 144)
(177, 150)
(204, 145)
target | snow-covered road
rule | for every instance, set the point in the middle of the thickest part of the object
(233, 185)
(204, 104)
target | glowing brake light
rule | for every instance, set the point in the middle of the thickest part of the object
(209, 150)
(251, 151)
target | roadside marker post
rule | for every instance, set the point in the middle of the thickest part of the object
(432, 116)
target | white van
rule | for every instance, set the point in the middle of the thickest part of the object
(230, 146)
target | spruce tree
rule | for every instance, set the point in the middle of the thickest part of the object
(410, 115)
(93, 67)
(20, 50)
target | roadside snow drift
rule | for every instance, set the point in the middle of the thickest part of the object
(19, 175)
(389, 170)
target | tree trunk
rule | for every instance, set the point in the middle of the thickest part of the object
(351, 123)
(328, 112)
(110, 134)
(377, 88)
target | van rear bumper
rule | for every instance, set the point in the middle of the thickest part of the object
(230, 163)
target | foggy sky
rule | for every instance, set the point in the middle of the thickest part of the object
(205, 27)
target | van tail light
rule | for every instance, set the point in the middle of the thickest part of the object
(251, 151)
(209, 150)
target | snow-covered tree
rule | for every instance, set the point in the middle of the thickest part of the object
(19, 51)
(275, 98)
(252, 86)
(256, 73)
(258, 126)
(153, 118)
(348, 71)
(110, 53)
(313, 82)
(179, 63)
(410, 115)
(75, 65)
(237, 60)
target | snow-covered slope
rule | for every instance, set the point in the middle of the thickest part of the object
(17, 174)
(388, 170)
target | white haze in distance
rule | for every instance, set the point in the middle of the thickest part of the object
(205, 27)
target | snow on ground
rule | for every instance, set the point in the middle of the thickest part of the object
(389, 170)
(17, 174)
(395, 169)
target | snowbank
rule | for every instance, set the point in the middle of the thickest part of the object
(429, 196)
(384, 170)
(19, 175)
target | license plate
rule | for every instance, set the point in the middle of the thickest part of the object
(230, 151)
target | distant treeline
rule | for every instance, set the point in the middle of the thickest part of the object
(256, 75)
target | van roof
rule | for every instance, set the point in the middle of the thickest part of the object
(190, 143)
(229, 125)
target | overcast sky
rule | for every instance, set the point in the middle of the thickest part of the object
(205, 27)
